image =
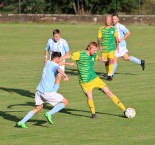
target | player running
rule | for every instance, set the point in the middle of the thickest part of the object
(45, 91)
(87, 77)
(60, 45)
(123, 33)
(107, 43)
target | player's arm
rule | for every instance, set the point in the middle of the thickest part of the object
(99, 44)
(73, 56)
(99, 40)
(125, 36)
(116, 40)
(67, 63)
(99, 58)
(63, 73)
(66, 56)
(126, 32)
(46, 56)
(67, 53)
(46, 52)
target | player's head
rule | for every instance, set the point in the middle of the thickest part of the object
(108, 20)
(55, 56)
(56, 35)
(115, 19)
(92, 48)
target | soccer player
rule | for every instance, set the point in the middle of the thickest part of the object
(87, 77)
(108, 42)
(60, 45)
(123, 33)
(45, 91)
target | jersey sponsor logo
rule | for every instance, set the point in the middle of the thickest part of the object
(92, 59)
(112, 32)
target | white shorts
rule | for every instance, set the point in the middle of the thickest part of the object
(122, 51)
(52, 98)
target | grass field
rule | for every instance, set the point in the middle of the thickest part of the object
(21, 62)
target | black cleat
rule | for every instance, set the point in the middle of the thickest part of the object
(143, 64)
(124, 114)
(93, 116)
(109, 78)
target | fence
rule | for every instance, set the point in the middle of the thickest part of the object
(75, 19)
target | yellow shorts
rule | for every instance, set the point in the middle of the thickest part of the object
(95, 83)
(107, 55)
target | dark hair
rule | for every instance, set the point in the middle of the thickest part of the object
(56, 31)
(55, 54)
(115, 15)
(92, 43)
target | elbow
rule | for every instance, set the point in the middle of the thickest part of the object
(129, 33)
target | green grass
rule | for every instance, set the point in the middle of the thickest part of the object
(21, 62)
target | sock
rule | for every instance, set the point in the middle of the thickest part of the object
(110, 71)
(134, 59)
(56, 87)
(29, 115)
(118, 103)
(91, 106)
(56, 108)
(114, 69)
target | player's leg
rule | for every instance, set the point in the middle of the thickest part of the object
(30, 114)
(115, 65)
(87, 89)
(105, 56)
(113, 98)
(91, 103)
(111, 65)
(56, 100)
(103, 87)
(134, 59)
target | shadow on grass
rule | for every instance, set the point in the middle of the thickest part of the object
(102, 75)
(69, 111)
(18, 91)
(8, 116)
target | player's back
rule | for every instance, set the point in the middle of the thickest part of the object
(48, 77)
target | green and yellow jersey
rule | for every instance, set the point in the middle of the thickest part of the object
(107, 38)
(85, 65)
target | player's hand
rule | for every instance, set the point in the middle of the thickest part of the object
(120, 40)
(104, 60)
(72, 64)
(45, 60)
(66, 78)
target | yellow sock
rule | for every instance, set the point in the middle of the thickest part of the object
(118, 103)
(110, 70)
(91, 106)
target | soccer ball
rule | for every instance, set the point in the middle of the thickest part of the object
(130, 112)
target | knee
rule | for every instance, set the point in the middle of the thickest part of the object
(65, 101)
(111, 61)
(126, 58)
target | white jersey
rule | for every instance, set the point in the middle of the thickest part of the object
(60, 46)
(121, 30)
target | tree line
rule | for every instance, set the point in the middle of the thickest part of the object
(77, 6)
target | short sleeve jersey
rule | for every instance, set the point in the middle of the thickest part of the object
(85, 65)
(60, 46)
(48, 77)
(107, 37)
(121, 30)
